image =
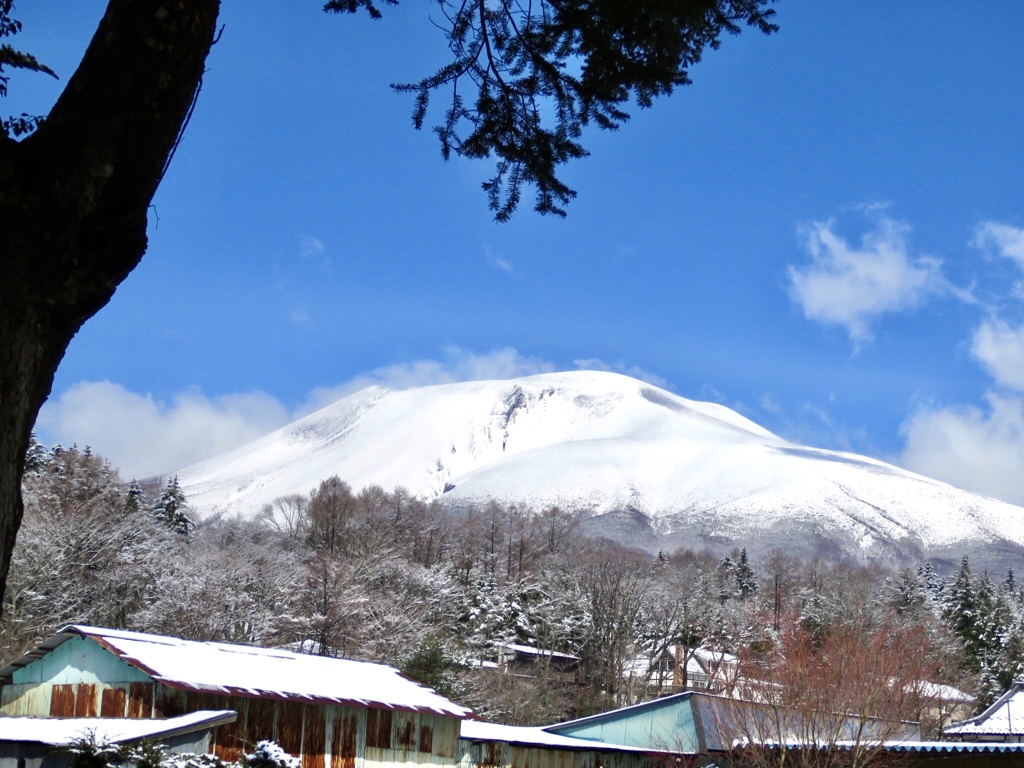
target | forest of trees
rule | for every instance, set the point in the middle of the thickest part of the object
(383, 576)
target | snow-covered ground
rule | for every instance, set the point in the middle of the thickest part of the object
(601, 442)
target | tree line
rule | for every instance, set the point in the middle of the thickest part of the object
(384, 576)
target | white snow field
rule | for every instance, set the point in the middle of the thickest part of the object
(601, 442)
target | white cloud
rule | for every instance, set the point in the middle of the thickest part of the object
(999, 347)
(980, 450)
(853, 286)
(1006, 240)
(143, 436)
(594, 364)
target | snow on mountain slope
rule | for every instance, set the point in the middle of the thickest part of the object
(603, 443)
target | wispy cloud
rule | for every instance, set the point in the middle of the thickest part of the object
(310, 246)
(853, 286)
(594, 364)
(301, 317)
(496, 261)
(1004, 239)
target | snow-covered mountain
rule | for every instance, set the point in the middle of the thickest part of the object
(653, 470)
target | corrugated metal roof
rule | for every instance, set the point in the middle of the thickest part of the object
(61, 731)
(1004, 718)
(240, 670)
(475, 730)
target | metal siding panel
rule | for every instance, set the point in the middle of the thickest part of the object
(344, 730)
(404, 731)
(314, 737)
(62, 701)
(86, 704)
(169, 702)
(140, 700)
(426, 738)
(29, 700)
(446, 736)
(289, 727)
(229, 743)
(114, 702)
(259, 720)
(378, 728)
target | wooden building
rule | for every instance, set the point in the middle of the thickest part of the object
(332, 713)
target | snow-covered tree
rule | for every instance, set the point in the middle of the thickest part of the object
(171, 508)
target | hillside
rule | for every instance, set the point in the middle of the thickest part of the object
(652, 470)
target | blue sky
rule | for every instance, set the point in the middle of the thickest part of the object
(824, 232)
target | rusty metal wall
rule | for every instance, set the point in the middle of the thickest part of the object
(344, 737)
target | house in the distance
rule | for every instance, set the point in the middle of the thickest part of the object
(1002, 722)
(528, 661)
(332, 713)
(678, 668)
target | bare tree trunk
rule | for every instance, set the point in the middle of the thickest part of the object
(73, 203)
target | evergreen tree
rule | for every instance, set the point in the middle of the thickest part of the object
(742, 575)
(36, 458)
(906, 593)
(171, 508)
(133, 498)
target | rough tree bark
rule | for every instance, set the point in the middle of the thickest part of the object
(73, 203)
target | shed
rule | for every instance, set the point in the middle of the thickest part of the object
(1003, 721)
(41, 742)
(490, 745)
(333, 713)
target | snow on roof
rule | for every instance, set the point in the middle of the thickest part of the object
(944, 692)
(1005, 716)
(240, 670)
(475, 730)
(529, 650)
(61, 731)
